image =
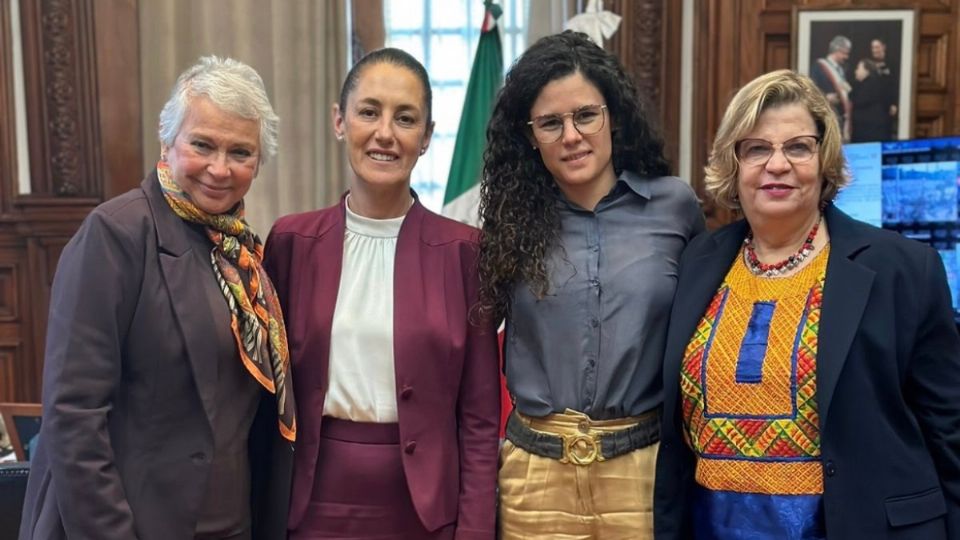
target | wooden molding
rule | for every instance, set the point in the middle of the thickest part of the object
(8, 129)
(648, 44)
(77, 54)
(737, 41)
(61, 102)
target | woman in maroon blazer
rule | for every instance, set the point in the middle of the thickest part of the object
(397, 382)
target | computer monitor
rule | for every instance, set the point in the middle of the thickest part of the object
(910, 187)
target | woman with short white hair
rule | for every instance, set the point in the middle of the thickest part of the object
(166, 381)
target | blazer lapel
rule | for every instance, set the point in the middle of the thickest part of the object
(184, 283)
(702, 274)
(845, 295)
(326, 262)
(409, 304)
(710, 266)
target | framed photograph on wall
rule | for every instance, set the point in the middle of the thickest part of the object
(862, 60)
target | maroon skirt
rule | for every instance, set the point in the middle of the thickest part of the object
(360, 490)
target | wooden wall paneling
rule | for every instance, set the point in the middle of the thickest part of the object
(9, 303)
(737, 41)
(671, 43)
(8, 135)
(932, 87)
(11, 299)
(930, 63)
(19, 381)
(117, 47)
(9, 383)
(59, 70)
(775, 32)
(81, 77)
(717, 60)
(648, 44)
(925, 5)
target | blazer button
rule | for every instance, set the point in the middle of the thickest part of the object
(406, 392)
(829, 468)
(410, 447)
(198, 458)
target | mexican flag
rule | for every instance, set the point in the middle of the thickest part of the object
(463, 185)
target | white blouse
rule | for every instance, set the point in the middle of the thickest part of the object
(362, 384)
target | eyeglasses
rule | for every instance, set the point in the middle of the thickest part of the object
(549, 127)
(759, 151)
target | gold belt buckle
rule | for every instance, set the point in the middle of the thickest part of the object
(571, 449)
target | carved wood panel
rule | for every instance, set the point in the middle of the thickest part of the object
(77, 54)
(10, 385)
(58, 59)
(8, 135)
(737, 41)
(19, 380)
(9, 306)
(648, 44)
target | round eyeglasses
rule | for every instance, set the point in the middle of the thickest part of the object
(548, 128)
(799, 149)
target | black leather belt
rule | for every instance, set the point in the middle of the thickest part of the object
(585, 448)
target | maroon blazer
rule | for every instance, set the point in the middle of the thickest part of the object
(447, 376)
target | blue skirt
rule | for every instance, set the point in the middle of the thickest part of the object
(726, 515)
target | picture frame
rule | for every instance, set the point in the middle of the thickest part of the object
(871, 84)
(22, 421)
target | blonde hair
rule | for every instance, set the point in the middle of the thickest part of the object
(774, 89)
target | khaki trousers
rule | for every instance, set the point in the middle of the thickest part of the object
(542, 498)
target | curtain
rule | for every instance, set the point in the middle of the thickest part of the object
(546, 17)
(299, 47)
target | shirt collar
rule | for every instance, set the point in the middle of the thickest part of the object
(636, 183)
(627, 181)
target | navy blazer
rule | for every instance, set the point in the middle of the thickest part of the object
(447, 379)
(888, 385)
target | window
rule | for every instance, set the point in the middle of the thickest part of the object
(443, 35)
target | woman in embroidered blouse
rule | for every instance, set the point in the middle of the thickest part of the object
(399, 419)
(165, 344)
(812, 376)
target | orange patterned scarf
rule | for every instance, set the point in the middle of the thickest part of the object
(256, 318)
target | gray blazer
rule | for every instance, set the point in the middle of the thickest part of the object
(129, 386)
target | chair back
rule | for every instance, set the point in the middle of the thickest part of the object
(13, 487)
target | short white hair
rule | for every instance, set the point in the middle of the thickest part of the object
(838, 43)
(233, 87)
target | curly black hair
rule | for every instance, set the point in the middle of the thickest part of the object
(517, 193)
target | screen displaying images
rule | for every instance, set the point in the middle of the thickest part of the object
(910, 187)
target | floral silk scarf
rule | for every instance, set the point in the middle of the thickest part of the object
(256, 318)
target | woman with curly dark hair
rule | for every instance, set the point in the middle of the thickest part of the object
(583, 229)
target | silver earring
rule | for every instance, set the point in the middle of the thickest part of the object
(423, 150)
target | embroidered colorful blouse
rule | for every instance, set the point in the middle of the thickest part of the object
(749, 387)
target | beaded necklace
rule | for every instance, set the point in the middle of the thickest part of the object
(758, 268)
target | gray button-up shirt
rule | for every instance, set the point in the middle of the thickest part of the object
(595, 342)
